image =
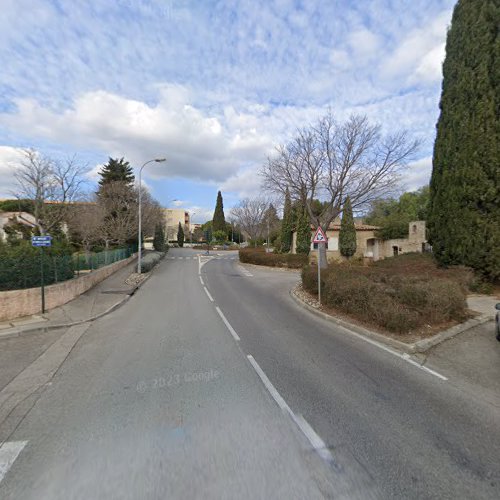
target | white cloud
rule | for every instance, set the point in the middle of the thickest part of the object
(419, 55)
(418, 174)
(9, 158)
(245, 184)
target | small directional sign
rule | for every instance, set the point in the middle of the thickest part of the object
(41, 241)
(320, 236)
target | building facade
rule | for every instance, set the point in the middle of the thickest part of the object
(370, 247)
(11, 218)
(172, 218)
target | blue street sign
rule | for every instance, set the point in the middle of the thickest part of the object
(41, 241)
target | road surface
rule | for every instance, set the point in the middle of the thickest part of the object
(212, 383)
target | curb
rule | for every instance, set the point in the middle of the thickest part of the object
(420, 346)
(19, 333)
(425, 344)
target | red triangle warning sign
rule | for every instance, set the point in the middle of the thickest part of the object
(320, 236)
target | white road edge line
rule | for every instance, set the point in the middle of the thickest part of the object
(201, 280)
(8, 453)
(316, 442)
(404, 356)
(208, 293)
(269, 386)
(228, 325)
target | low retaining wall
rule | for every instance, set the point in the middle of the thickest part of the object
(17, 303)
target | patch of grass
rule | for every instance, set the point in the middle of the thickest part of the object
(399, 294)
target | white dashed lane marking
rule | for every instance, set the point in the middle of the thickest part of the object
(8, 453)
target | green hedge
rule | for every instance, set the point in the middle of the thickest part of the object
(396, 298)
(20, 266)
(259, 257)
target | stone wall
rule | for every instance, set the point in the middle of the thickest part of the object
(17, 303)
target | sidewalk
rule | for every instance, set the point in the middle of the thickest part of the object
(96, 301)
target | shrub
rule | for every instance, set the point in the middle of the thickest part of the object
(260, 257)
(399, 298)
(150, 260)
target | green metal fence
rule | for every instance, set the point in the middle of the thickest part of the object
(91, 261)
(23, 269)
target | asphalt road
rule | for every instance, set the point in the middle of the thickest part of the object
(415, 435)
(159, 399)
(156, 400)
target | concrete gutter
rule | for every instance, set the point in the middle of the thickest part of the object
(416, 347)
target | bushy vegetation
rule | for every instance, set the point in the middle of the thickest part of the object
(260, 257)
(400, 294)
(20, 265)
(393, 216)
(150, 260)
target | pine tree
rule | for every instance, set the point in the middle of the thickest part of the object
(219, 221)
(347, 233)
(117, 170)
(464, 219)
(287, 224)
(159, 238)
(303, 228)
(180, 235)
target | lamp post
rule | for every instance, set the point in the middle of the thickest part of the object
(139, 256)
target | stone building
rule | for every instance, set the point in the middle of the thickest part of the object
(370, 247)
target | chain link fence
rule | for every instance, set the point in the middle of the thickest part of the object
(23, 269)
(85, 262)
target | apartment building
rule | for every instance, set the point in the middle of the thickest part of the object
(172, 218)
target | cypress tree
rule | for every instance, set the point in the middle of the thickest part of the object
(464, 218)
(347, 233)
(219, 221)
(117, 170)
(159, 238)
(303, 227)
(180, 235)
(287, 224)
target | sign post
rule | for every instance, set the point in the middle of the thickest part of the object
(42, 242)
(319, 237)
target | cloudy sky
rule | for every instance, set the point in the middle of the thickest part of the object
(211, 85)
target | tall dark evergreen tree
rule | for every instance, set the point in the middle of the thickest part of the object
(117, 170)
(464, 220)
(180, 235)
(303, 228)
(159, 238)
(347, 233)
(219, 221)
(287, 224)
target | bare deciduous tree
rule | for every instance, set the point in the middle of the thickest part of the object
(51, 185)
(85, 221)
(331, 161)
(249, 215)
(119, 203)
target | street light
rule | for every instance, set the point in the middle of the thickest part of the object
(139, 258)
